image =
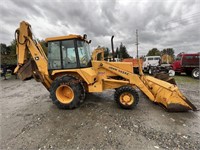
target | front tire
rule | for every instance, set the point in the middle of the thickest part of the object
(67, 92)
(126, 97)
(195, 73)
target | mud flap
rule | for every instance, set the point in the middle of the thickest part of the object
(168, 95)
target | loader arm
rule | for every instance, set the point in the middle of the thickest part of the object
(132, 78)
(156, 90)
(32, 61)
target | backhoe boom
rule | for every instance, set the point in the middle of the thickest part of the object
(26, 49)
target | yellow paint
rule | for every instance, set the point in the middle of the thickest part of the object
(64, 94)
(87, 74)
(67, 37)
(101, 76)
(126, 99)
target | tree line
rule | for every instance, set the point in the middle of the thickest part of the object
(156, 52)
(120, 52)
(8, 52)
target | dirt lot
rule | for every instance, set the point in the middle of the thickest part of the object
(29, 120)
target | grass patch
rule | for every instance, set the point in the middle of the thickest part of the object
(185, 79)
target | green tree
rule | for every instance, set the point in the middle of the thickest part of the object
(8, 54)
(117, 53)
(123, 52)
(4, 49)
(12, 47)
(106, 52)
(168, 51)
(154, 52)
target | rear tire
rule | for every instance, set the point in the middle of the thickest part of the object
(195, 73)
(126, 97)
(67, 92)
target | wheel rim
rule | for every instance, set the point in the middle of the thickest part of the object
(196, 74)
(65, 94)
(149, 71)
(126, 98)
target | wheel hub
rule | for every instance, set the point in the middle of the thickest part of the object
(65, 94)
(126, 98)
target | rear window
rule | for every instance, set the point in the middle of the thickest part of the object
(150, 58)
(189, 57)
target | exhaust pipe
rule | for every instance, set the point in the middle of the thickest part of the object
(113, 53)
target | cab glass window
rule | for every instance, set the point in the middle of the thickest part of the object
(156, 58)
(68, 54)
(84, 53)
(54, 61)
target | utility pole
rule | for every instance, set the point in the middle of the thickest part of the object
(137, 42)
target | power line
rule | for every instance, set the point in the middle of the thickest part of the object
(188, 17)
(198, 21)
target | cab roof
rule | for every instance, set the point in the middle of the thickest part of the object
(67, 37)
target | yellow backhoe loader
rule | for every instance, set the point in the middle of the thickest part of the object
(70, 72)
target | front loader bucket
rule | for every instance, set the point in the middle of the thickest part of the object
(168, 95)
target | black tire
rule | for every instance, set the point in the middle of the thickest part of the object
(76, 87)
(126, 89)
(177, 73)
(188, 73)
(195, 73)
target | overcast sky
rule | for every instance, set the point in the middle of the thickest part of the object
(161, 23)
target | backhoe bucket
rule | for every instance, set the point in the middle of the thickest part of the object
(25, 72)
(168, 95)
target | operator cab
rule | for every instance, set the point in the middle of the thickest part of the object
(68, 52)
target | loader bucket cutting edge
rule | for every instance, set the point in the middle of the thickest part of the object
(168, 95)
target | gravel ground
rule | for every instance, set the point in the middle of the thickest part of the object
(29, 120)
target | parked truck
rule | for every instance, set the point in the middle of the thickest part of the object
(187, 63)
(154, 65)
